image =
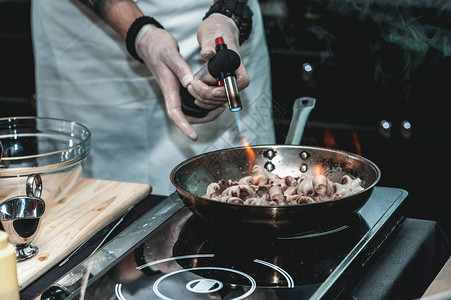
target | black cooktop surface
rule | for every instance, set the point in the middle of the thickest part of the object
(170, 253)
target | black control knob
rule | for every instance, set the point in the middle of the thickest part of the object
(307, 72)
(385, 128)
(406, 129)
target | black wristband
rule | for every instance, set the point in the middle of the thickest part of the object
(236, 10)
(133, 32)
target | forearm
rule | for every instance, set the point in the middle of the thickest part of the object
(119, 14)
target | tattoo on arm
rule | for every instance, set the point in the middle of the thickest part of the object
(119, 14)
(101, 7)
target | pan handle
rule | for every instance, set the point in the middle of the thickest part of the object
(301, 110)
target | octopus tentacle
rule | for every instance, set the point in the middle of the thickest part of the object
(263, 188)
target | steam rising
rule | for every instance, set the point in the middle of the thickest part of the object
(415, 26)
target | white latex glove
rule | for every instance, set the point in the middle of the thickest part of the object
(208, 95)
(160, 52)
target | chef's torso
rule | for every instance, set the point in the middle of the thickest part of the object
(84, 74)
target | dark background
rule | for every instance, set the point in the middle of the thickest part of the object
(373, 62)
(16, 60)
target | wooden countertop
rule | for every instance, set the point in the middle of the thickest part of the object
(67, 224)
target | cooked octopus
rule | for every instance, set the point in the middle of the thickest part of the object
(267, 189)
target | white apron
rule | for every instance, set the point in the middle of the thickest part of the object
(84, 74)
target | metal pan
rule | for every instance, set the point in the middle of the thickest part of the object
(192, 176)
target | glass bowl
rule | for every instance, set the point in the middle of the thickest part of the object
(56, 149)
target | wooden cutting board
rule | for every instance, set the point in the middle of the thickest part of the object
(90, 206)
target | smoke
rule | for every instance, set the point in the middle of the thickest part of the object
(414, 26)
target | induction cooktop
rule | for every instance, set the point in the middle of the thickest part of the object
(169, 253)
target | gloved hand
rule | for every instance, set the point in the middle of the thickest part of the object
(159, 51)
(208, 95)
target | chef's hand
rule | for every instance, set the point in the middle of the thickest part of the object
(208, 95)
(160, 52)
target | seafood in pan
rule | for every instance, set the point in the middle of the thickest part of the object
(264, 188)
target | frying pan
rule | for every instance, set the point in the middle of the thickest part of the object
(192, 176)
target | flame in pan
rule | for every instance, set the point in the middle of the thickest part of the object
(250, 154)
(317, 170)
(249, 151)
